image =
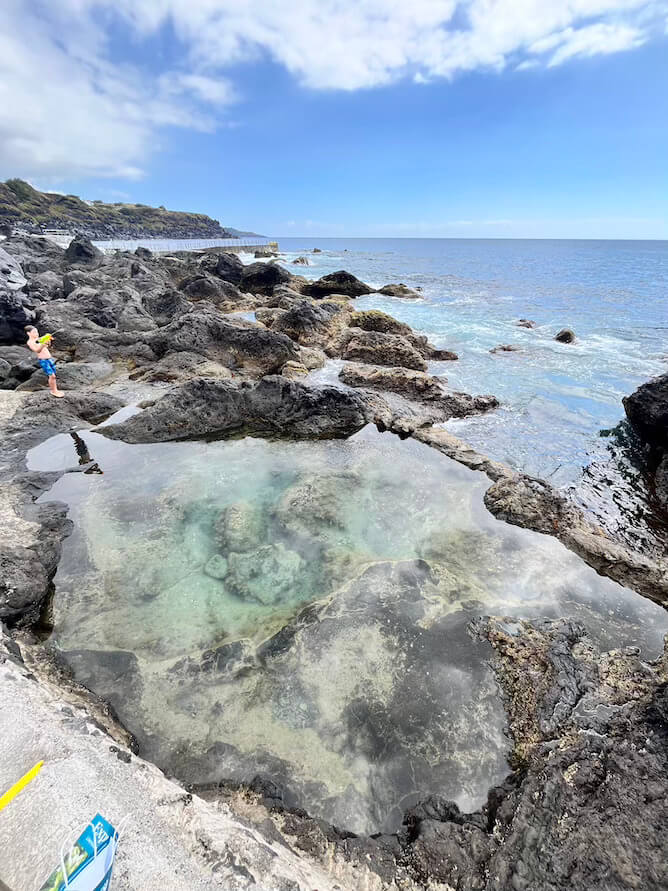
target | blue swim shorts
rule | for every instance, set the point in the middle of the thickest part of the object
(48, 366)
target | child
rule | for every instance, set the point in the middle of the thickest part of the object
(45, 359)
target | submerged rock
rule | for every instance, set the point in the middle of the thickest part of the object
(525, 323)
(506, 348)
(240, 527)
(217, 567)
(266, 574)
(301, 261)
(274, 406)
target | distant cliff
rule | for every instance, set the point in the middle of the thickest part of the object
(23, 207)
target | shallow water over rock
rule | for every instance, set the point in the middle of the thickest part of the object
(300, 611)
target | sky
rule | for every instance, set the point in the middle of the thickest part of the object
(429, 118)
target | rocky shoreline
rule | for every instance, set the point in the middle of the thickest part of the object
(589, 729)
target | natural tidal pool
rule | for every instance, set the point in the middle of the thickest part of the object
(299, 611)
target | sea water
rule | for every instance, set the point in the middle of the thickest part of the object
(301, 610)
(555, 398)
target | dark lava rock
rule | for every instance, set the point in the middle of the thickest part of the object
(647, 410)
(506, 348)
(301, 261)
(203, 286)
(165, 306)
(34, 253)
(11, 274)
(226, 266)
(82, 250)
(14, 316)
(274, 406)
(143, 253)
(526, 323)
(661, 482)
(262, 278)
(235, 344)
(383, 349)
(565, 336)
(341, 282)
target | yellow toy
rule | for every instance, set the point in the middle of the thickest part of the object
(11, 794)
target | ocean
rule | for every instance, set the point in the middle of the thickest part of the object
(555, 398)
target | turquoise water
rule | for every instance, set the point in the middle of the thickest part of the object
(300, 610)
(555, 398)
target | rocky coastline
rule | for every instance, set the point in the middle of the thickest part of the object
(584, 805)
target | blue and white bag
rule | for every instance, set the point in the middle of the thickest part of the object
(88, 864)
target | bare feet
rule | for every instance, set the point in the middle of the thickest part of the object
(57, 393)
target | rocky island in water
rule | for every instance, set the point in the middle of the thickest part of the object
(304, 635)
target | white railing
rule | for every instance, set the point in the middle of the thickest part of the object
(165, 245)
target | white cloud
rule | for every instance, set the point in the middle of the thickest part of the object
(594, 40)
(69, 106)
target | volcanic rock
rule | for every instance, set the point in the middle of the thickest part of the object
(341, 282)
(375, 320)
(647, 410)
(274, 406)
(81, 250)
(376, 348)
(11, 274)
(262, 278)
(226, 266)
(506, 348)
(235, 344)
(565, 336)
(14, 316)
(398, 290)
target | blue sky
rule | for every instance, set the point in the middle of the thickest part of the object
(473, 118)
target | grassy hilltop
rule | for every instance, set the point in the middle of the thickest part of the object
(23, 207)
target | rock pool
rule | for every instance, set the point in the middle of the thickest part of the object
(299, 611)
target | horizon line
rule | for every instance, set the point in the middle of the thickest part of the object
(478, 237)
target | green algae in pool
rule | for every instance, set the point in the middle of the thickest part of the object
(299, 611)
